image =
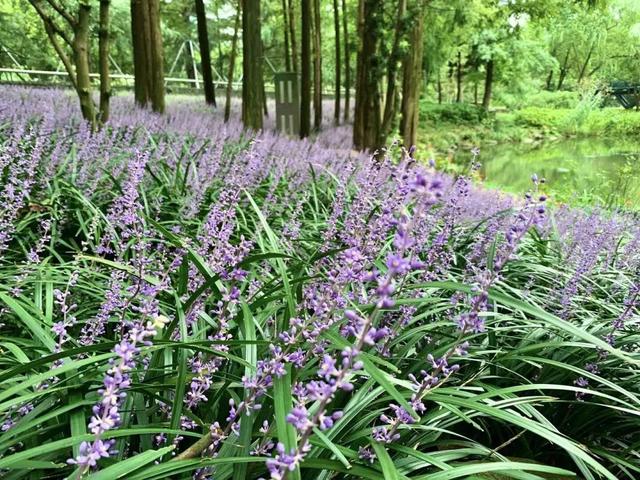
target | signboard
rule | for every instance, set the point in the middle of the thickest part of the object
(287, 103)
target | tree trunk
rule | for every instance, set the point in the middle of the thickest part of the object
(264, 100)
(412, 84)
(392, 68)
(583, 69)
(157, 61)
(205, 54)
(189, 63)
(459, 78)
(347, 73)
(305, 69)
(563, 70)
(439, 82)
(252, 99)
(287, 57)
(317, 66)
(103, 54)
(232, 63)
(367, 122)
(81, 60)
(488, 86)
(139, 29)
(292, 36)
(336, 25)
(549, 80)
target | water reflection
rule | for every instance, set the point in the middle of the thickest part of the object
(588, 171)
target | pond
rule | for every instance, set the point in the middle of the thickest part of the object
(594, 171)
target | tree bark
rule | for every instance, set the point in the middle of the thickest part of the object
(367, 122)
(317, 66)
(232, 63)
(563, 70)
(287, 53)
(81, 57)
(305, 69)
(205, 54)
(189, 67)
(392, 67)
(252, 98)
(336, 25)
(459, 78)
(585, 65)
(138, 40)
(103, 54)
(412, 84)
(292, 36)
(488, 85)
(157, 60)
(347, 72)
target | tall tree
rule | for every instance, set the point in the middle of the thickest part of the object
(252, 89)
(390, 103)
(68, 32)
(157, 58)
(412, 83)
(347, 66)
(232, 62)
(336, 25)
(148, 61)
(367, 132)
(292, 36)
(305, 69)
(287, 56)
(103, 60)
(205, 54)
(317, 66)
(488, 84)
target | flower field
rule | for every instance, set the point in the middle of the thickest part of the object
(181, 298)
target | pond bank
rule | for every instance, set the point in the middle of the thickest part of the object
(447, 128)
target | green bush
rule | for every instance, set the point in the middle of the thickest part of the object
(452, 113)
(553, 99)
(539, 117)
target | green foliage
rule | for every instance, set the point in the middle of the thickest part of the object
(457, 113)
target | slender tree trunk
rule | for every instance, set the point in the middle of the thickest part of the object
(459, 78)
(585, 65)
(367, 122)
(103, 54)
(392, 68)
(439, 82)
(189, 67)
(287, 57)
(488, 85)
(347, 72)
(139, 28)
(305, 69)
(563, 70)
(336, 25)
(412, 84)
(317, 66)
(549, 80)
(81, 60)
(157, 61)
(205, 54)
(264, 100)
(292, 36)
(232, 63)
(252, 94)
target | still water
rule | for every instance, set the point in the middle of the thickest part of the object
(592, 171)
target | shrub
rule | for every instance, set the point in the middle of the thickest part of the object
(452, 113)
